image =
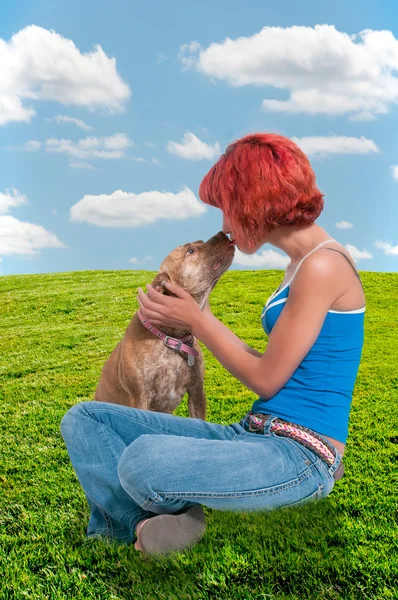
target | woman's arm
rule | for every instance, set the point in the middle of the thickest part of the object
(231, 352)
(317, 286)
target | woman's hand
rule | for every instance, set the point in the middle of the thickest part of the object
(165, 311)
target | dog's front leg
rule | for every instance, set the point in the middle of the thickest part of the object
(197, 396)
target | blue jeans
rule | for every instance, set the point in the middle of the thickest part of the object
(134, 463)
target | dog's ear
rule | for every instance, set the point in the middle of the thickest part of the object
(159, 281)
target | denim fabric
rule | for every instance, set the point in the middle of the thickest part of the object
(134, 463)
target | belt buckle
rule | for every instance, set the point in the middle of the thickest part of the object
(168, 337)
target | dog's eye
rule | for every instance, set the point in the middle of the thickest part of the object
(190, 250)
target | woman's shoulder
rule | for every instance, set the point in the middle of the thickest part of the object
(327, 257)
(332, 270)
(319, 270)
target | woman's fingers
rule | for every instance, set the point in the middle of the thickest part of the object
(152, 317)
(147, 302)
(147, 307)
(176, 289)
(157, 296)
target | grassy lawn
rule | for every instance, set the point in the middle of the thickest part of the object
(57, 330)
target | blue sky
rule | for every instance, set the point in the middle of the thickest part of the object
(142, 132)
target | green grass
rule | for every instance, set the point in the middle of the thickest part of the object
(57, 330)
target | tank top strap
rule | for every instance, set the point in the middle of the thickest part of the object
(304, 257)
(282, 288)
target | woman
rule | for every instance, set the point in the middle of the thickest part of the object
(146, 474)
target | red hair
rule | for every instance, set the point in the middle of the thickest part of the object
(261, 182)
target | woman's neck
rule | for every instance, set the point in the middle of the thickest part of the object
(297, 242)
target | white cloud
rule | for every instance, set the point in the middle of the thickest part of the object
(365, 115)
(125, 209)
(57, 71)
(266, 259)
(389, 249)
(155, 161)
(65, 119)
(21, 237)
(357, 254)
(11, 108)
(118, 141)
(394, 171)
(192, 148)
(11, 198)
(344, 225)
(80, 165)
(136, 261)
(269, 259)
(336, 144)
(186, 54)
(324, 70)
(91, 147)
(32, 145)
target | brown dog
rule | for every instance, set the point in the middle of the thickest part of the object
(145, 373)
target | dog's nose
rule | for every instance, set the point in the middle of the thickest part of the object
(219, 237)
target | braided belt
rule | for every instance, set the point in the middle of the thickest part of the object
(255, 422)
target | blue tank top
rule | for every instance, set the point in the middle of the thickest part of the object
(318, 395)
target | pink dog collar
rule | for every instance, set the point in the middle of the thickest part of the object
(171, 342)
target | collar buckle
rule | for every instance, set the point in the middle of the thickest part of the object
(168, 337)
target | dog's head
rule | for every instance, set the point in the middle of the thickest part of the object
(196, 267)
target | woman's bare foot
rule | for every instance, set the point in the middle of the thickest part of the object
(137, 530)
(167, 533)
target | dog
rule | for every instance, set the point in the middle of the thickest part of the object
(145, 372)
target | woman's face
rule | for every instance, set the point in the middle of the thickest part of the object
(226, 228)
(242, 248)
